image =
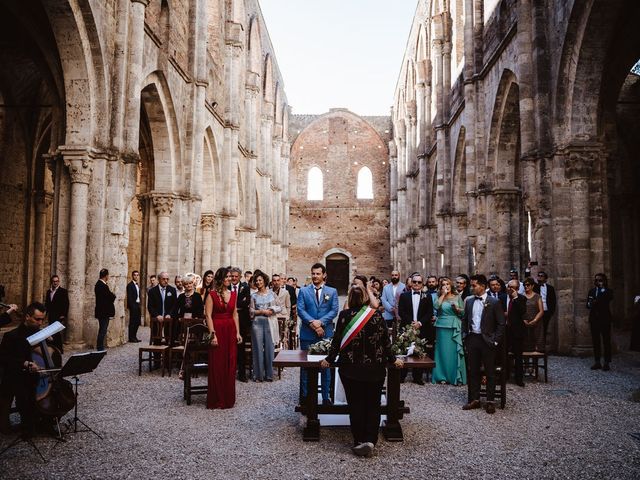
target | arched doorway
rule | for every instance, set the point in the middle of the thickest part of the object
(338, 272)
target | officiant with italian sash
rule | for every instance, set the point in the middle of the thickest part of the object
(362, 347)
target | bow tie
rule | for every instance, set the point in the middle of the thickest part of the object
(478, 298)
(417, 293)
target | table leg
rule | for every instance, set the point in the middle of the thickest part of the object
(311, 432)
(391, 428)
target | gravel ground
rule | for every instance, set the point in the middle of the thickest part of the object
(579, 425)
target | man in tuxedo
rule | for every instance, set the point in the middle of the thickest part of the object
(482, 330)
(390, 293)
(415, 309)
(495, 291)
(105, 308)
(57, 304)
(243, 300)
(317, 310)
(133, 305)
(598, 302)
(549, 299)
(516, 306)
(462, 286)
(162, 305)
(20, 373)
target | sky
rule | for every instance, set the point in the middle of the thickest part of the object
(339, 53)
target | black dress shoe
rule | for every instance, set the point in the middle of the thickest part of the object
(419, 382)
(596, 366)
(327, 402)
(606, 367)
(520, 383)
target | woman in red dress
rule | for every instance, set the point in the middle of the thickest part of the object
(222, 320)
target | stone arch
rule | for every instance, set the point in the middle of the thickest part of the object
(210, 173)
(504, 140)
(339, 256)
(158, 106)
(268, 86)
(255, 47)
(81, 58)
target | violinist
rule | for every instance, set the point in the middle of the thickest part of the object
(20, 373)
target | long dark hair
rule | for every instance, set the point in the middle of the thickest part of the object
(218, 282)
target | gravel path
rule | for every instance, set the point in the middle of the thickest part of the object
(579, 425)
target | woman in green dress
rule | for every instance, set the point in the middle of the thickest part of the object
(449, 354)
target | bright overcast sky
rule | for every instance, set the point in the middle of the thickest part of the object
(339, 53)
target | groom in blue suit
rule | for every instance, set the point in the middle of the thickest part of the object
(317, 309)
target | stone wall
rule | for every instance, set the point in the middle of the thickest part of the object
(340, 143)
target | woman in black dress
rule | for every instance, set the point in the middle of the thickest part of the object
(364, 357)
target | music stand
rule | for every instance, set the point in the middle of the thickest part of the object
(79, 364)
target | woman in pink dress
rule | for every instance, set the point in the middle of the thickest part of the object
(222, 320)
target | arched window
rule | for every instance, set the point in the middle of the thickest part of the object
(365, 184)
(314, 184)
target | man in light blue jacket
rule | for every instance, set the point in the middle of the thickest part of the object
(390, 294)
(317, 310)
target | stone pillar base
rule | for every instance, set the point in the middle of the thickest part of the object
(75, 346)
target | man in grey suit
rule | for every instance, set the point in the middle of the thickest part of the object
(482, 331)
(390, 294)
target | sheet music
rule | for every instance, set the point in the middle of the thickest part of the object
(45, 333)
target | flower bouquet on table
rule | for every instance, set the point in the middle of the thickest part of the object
(319, 350)
(408, 344)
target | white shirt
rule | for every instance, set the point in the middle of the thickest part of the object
(52, 292)
(543, 294)
(476, 315)
(415, 299)
(521, 289)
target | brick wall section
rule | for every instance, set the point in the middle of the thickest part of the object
(340, 220)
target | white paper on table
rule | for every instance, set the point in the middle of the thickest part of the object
(315, 358)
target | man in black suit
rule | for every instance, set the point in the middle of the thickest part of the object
(243, 300)
(495, 291)
(162, 305)
(415, 308)
(598, 302)
(133, 305)
(57, 304)
(549, 300)
(482, 330)
(20, 373)
(516, 306)
(105, 308)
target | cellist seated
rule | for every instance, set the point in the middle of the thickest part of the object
(20, 373)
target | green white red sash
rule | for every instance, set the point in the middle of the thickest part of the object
(356, 324)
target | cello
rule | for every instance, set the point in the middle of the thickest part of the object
(54, 394)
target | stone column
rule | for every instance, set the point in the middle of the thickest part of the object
(579, 164)
(163, 205)
(505, 202)
(207, 224)
(79, 165)
(134, 68)
(42, 202)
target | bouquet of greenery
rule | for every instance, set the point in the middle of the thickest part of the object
(320, 348)
(409, 337)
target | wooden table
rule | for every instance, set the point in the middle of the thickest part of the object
(394, 409)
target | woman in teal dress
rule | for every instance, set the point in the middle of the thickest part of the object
(449, 354)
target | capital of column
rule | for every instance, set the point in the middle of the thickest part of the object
(79, 169)
(580, 163)
(207, 221)
(505, 200)
(163, 204)
(51, 159)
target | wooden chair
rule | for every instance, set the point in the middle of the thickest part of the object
(155, 354)
(196, 361)
(176, 352)
(248, 357)
(531, 361)
(500, 374)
